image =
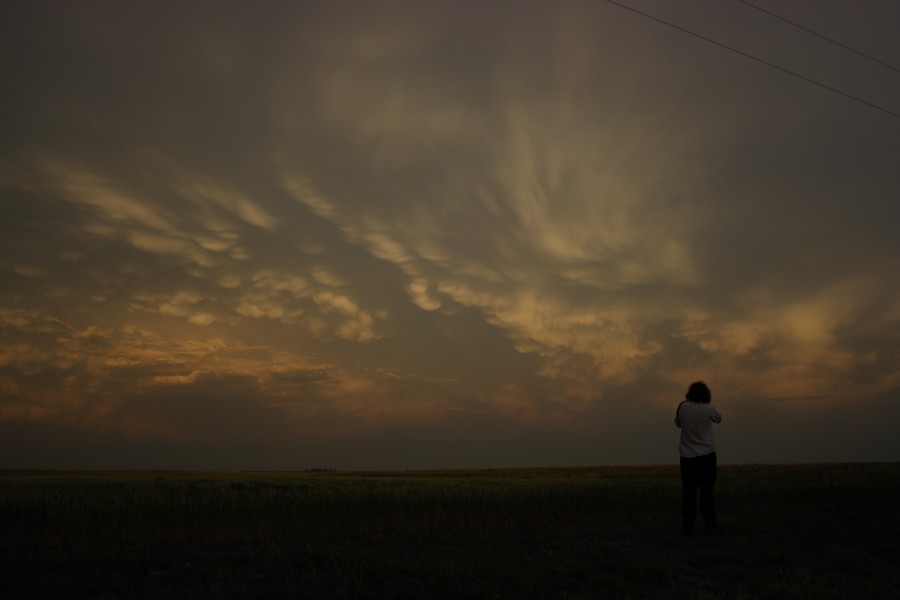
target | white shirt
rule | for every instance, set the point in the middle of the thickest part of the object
(695, 420)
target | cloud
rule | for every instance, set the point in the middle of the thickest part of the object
(349, 222)
(92, 377)
(582, 232)
(137, 383)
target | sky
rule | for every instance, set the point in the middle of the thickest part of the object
(402, 235)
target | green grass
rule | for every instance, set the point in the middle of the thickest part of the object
(805, 531)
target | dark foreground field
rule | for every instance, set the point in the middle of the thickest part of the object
(810, 531)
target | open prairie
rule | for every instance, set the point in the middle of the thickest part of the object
(802, 531)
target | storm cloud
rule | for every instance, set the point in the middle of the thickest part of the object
(408, 234)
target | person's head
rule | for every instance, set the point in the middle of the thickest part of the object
(698, 392)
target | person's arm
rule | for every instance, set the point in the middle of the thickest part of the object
(714, 415)
(678, 416)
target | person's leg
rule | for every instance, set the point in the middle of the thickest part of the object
(707, 478)
(689, 493)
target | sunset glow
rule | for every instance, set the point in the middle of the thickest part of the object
(443, 234)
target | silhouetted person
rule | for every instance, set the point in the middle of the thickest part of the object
(697, 448)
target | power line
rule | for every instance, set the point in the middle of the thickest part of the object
(819, 35)
(757, 59)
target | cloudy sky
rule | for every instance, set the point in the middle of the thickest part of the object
(358, 235)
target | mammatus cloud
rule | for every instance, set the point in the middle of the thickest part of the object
(204, 234)
(313, 224)
(597, 269)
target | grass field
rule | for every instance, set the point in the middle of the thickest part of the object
(805, 531)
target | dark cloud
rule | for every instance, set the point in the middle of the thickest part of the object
(304, 229)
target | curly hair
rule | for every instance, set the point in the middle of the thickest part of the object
(698, 392)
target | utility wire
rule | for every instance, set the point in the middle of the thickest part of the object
(819, 35)
(757, 59)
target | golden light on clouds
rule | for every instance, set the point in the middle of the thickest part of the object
(293, 235)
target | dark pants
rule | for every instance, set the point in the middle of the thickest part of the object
(698, 473)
